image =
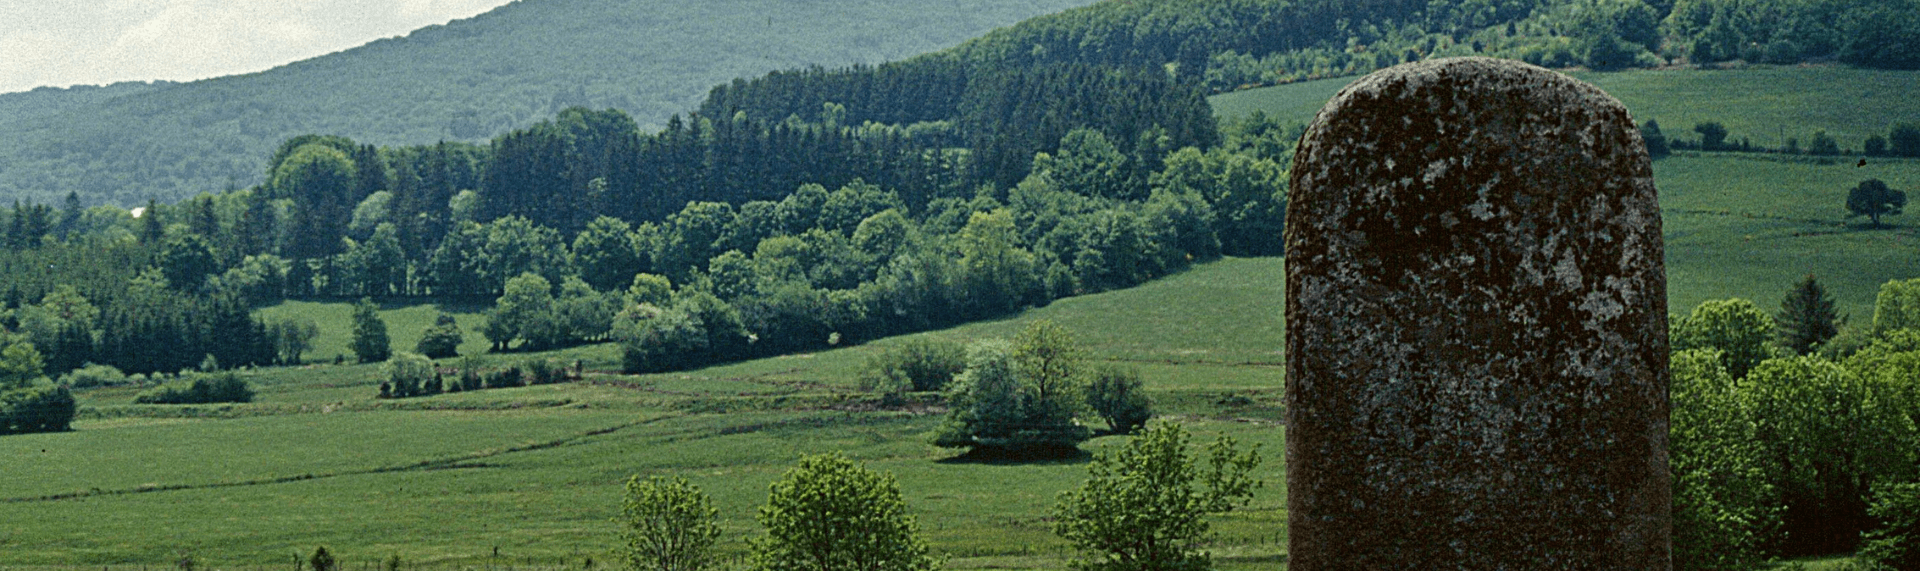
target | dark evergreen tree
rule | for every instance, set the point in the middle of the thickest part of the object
(1806, 317)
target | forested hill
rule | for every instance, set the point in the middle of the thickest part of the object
(468, 80)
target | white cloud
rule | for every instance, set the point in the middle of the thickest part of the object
(64, 42)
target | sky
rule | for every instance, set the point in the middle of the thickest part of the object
(62, 43)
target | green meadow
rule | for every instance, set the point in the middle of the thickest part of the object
(1745, 224)
(537, 471)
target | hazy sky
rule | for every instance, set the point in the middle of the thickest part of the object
(69, 42)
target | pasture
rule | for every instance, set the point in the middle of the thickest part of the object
(537, 471)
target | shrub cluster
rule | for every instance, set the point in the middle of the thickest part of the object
(918, 365)
(206, 389)
(36, 409)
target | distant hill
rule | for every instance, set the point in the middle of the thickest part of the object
(467, 80)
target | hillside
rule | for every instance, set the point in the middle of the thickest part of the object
(1744, 224)
(467, 80)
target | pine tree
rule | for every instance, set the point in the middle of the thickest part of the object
(1806, 317)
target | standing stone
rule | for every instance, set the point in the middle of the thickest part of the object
(1476, 327)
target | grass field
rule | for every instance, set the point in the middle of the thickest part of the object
(1745, 225)
(1764, 104)
(537, 471)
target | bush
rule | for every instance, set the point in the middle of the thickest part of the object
(544, 372)
(1116, 396)
(410, 374)
(828, 513)
(1724, 505)
(1002, 401)
(1896, 544)
(206, 389)
(504, 378)
(667, 524)
(1140, 509)
(442, 340)
(94, 375)
(918, 365)
(370, 342)
(36, 409)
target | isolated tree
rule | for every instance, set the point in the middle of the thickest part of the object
(1115, 394)
(1713, 136)
(1739, 330)
(370, 342)
(292, 337)
(442, 340)
(830, 514)
(1144, 509)
(321, 560)
(667, 524)
(1872, 199)
(1018, 397)
(409, 374)
(1657, 146)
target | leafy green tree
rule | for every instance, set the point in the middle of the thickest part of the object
(370, 342)
(1895, 544)
(1897, 306)
(649, 289)
(1713, 136)
(999, 273)
(1141, 509)
(828, 514)
(36, 409)
(1806, 317)
(654, 339)
(320, 180)
(1116, 395)
(442, 340)
(20, 364)
(1018, 397)
(408, 374)
(524, 312)
(1725, 508)
(1739, 330)
(606, 253)
(1872, 199)
(1827, 434)
(582, 314)
(667, 524)
(369, 214)
(292, 337)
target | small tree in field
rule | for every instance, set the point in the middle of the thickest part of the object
(321, 560)
(667, 524)
(442, 340)
(370, 341)
(1116, 395)
(829, 514)
(1872, 199)
(1141, 510)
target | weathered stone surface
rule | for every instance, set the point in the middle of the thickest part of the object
(1476, 327)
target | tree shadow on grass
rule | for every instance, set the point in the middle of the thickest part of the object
(1031, 456)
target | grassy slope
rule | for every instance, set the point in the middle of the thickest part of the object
(1744, 225)
(469, 79)
(536, 471)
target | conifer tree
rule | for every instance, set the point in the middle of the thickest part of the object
(1806, 317)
